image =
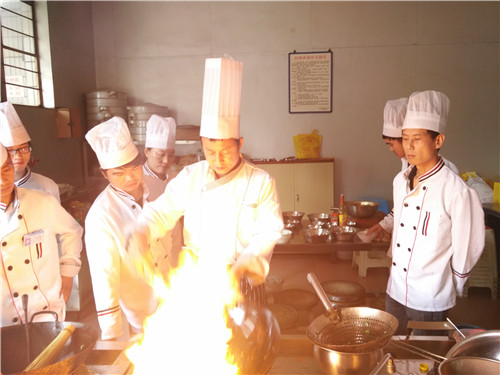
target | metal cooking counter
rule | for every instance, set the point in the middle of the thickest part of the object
(295, 356)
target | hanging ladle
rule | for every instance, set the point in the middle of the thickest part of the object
(26, 327)
(456, 328)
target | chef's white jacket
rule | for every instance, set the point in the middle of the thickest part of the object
(388, 221)
(438, 237)
(171, 243)
(40, 242)
(35, 181)
(116, 284)
(237, 216)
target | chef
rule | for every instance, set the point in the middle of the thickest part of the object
(40, 252)
(14, 136)
(438, 233)
(159, 150)
(118, 285)
(230, 207)
(394, 115)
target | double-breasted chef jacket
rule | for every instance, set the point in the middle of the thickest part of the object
(35, 181)
(40, 242)
(438, 237)
(238, 214)
(388, 221)
(116, 284)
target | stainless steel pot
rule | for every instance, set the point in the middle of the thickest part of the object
(485, 345)
(338, 363)
(469, 366)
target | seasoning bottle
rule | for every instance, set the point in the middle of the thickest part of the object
(342, 212)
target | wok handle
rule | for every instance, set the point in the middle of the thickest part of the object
(47, 356)
(311, 277)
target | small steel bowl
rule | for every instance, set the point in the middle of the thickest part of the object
(322, 217)
(292, 215)
(345, 234)
(314, 234)
(361, 209)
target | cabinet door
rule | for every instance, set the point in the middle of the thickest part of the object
(313, 187)
(284, 176)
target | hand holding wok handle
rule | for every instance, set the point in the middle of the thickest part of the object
(48, 355)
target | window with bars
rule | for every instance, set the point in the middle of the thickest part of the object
(20, 59)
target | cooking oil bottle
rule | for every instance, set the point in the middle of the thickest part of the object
(342, 212)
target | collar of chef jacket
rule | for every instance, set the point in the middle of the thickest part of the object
(412, 171)
(150, 172)
(25, 178)
(13, 206)
(224, 179)
(128, 196)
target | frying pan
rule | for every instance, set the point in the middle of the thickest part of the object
(41, 334)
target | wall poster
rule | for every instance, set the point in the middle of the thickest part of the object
(310, 82)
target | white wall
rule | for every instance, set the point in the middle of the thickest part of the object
(155, 52)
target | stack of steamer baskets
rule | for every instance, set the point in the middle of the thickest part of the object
(104, 104)
(139, 115)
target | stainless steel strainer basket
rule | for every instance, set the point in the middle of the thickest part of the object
(350, 329)
(353, 329)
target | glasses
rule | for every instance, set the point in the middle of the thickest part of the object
(22, 150)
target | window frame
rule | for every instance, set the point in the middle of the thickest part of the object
(35, 55)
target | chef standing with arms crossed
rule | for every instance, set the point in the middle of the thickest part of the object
(438, 233)
(117, 284)
(14, 136)
(40, 252)
(230, 207)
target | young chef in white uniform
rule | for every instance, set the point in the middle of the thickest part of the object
(40, 252)
(14, 136)
(116, 283)
(394, 115)
(438, 233)
(230, 207)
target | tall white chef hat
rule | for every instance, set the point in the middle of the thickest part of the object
(3, 155)
(160, 132)
(220, 114)
(112, 143)
(427, 110)
(12, 131)
(394, 115)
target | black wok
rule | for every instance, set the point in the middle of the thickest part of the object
(75, 351)
(256, 338)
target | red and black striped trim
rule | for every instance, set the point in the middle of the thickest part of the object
(109, 311)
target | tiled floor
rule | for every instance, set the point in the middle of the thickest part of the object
(478, 309)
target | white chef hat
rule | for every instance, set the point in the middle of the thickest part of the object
(160, 132)
(394, 115)
(220, 114)
(427, 110)
(112, 143)
(12, 131)
(3, 155)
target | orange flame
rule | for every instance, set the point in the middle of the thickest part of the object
(188, 334)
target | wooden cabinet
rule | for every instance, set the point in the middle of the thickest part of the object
(305, 186)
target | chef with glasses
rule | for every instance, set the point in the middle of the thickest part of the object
(16, 139)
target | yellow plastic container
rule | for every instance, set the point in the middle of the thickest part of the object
(307, 146)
